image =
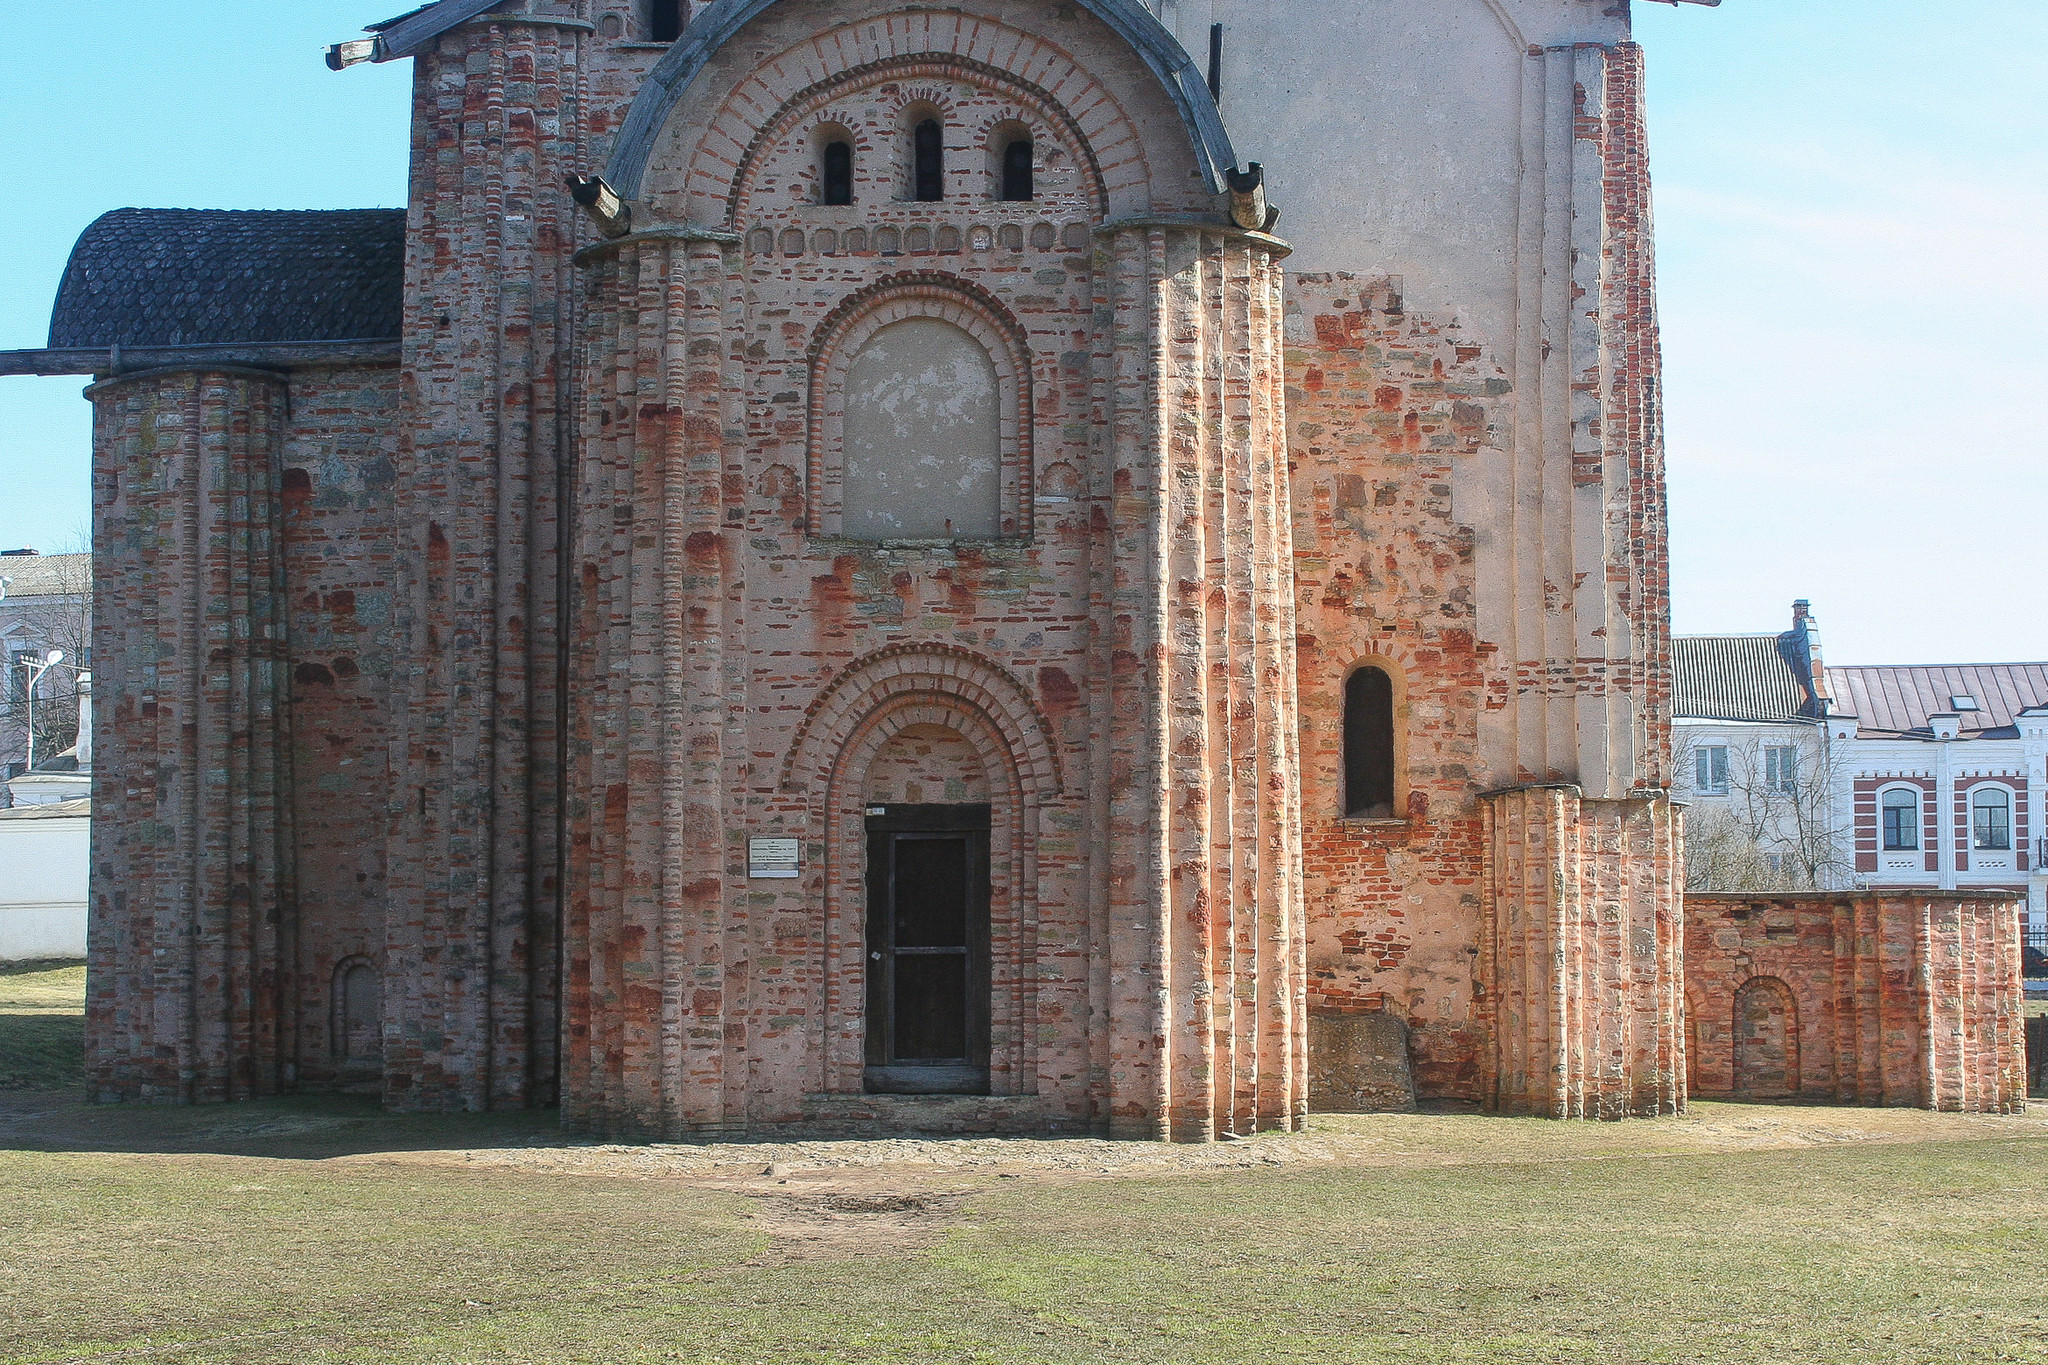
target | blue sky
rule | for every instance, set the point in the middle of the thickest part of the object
(1850, 196)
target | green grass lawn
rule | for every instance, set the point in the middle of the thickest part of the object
(42, 1024)
(1908, 1253)
(307, 1231)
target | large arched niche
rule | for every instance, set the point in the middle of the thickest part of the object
(987, 735)
(759, 74)
(835, 385)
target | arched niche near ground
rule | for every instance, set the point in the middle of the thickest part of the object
(1766, 1039)
(357, 1006)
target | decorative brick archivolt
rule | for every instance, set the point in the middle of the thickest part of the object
(924, 294)
(853, 718)
(1032, 105)
(953, 32)
(931, 669)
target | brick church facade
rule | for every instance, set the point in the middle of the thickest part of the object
(839, 563)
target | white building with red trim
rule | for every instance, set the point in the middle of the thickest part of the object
(1934, 774)
(1941, 769)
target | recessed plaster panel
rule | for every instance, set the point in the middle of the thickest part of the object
(922, 458)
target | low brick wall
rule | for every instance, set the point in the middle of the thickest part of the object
(1906, 998)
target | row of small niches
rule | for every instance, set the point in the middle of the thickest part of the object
(889, 241)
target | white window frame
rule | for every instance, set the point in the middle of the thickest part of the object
(1977, 790)
(1776, 759)
(1919, 796)
(1703, 769)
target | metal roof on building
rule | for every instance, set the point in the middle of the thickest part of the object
(1898, 698)
(1739, 677)
(79, 809)
(46, 575)
(189, 277)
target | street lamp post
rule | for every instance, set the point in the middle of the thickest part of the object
(35, 675)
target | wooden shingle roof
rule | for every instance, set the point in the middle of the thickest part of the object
(186, 277)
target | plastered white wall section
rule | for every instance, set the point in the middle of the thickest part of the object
(1416, 114)
(43, 866)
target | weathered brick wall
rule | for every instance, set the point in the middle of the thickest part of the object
(1381, 404)
(191, 934)
(1486, 523)
(1579, 971)
(339, 584)
(1907, 998)
(1614, 118)
(478, 527)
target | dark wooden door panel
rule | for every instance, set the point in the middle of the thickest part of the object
(928, 950)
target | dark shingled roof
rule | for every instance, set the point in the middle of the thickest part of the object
(1741, 677)
(191, 277)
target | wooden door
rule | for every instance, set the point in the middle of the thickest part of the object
(928, 950)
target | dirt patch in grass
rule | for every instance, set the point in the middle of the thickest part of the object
(42, 1025)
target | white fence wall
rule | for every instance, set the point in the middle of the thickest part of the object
(44, 865)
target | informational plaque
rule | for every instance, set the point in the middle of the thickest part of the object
(774, 858)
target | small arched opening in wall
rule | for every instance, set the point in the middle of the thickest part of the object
(921, 152)
(1011, 148)
(1068, 180)
(835, 154)
(666, 20)
(356, 1030)
(920, 416)
(1766, 1039)
(1372, 743)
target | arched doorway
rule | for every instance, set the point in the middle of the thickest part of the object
(927, 816)
(1766, 1039)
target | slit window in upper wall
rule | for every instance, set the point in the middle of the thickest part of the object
(838, 172)
(1369, 745)
(1017, 169)
(928, 162)
(665, 20)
